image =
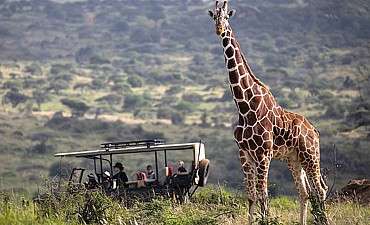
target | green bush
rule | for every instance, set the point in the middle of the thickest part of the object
(99, 59)
(78, 108)
(165, 113)
(33, 69)
(185, 106)
(59, 68)
(97, 84)
(192, 97)
(135, 81)
(131, 101)
(13, 84)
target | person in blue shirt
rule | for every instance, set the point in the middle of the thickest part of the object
(181, 167)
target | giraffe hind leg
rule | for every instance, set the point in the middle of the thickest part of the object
(248, 166)
(302, 185)
(314, 175)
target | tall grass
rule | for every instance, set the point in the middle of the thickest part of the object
(208, 206)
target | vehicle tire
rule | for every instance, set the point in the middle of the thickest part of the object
(203, 172)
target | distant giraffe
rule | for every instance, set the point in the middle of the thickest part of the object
(265, 130)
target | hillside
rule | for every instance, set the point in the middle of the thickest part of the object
(79, 73)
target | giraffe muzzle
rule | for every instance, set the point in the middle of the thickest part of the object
(219, 30)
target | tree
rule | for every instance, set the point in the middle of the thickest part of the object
(81, 86)
(192, 97)
(13, 75)
(185, 106)
(29, 82)
(40, 97)
(63, 77)
(15, 97)
(98, 59)
(111, 99)
(83, 54)
(174, 90)
(58, 85)
(42, 138)
(121, 87)
(33, 69)
(78, 108)
(59, 68)
(177, 118)
(227, 96)
(135, 81)
(156, 13)
(132, 101)
(165, 113)
(97, 84)
(13, 84)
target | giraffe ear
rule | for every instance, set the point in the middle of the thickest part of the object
(231, 13)
(210, 13)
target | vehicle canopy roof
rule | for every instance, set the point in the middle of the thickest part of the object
(198, 150)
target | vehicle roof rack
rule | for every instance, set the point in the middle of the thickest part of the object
(125, 144)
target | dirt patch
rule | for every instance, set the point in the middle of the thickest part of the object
(357, 191)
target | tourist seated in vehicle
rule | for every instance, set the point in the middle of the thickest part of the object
(91, 183)
(181, 167)
(149, 172)
(120, 176)
(106, 180)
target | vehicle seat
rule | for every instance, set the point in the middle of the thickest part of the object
(165, 175)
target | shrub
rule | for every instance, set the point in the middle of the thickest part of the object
(165, 113)
(192, 97)
(177, 118)
(174, 90)
(33, 69)
(132, 101)
(98, 59)
(78, 108)
(15, 98)
(13, 84)
(59, 68)
(185, 106)
(135, 81)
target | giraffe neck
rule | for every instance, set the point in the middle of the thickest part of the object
(235, 60)
(248, 91)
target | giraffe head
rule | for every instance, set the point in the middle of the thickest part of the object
(221, 17)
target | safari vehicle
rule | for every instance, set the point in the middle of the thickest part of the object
(179, 186)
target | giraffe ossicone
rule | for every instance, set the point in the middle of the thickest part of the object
(266, 130)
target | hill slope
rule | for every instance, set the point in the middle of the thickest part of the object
(158, 68)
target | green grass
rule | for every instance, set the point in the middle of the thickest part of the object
(208, 206)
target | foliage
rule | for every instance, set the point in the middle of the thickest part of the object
(313, 59)
(131, 101)
(99, 59)
(73, 204)
(318, 210)
(58, 85)
(135, 81)
(15, 97)
(78, 108)
(40, 97)
(33, 69)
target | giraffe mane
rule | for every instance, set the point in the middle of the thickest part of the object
(249, 69)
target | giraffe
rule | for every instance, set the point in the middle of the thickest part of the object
(266, 130)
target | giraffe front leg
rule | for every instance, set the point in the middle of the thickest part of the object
(248, 166)
(262, 173)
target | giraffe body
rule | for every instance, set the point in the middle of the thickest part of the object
(265, 130)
